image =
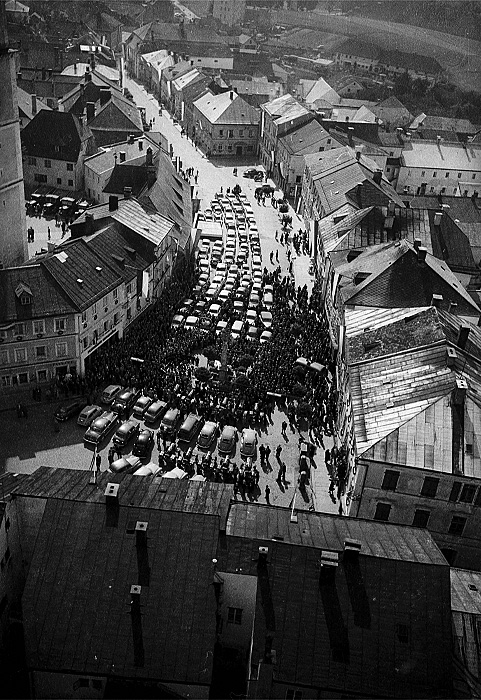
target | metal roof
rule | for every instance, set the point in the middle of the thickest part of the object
(363, 319)
(154, 227)
(284, 109)
(442, 156)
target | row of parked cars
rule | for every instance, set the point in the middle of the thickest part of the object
(50, 205)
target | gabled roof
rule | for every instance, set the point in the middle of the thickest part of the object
(52, 130)
(321, 90)
(465, 209)
(104, 159)
(48, 298)
(284, 109)
(112, 244)
(226, 108)
(25, 103)
(444, 156)
(352, 47)
(152, 226)
(116, 116)
(395, 277)
(187, 79)
(75, 261)
(308, 138)
(125, 175)
(392, 111)
(359, 320)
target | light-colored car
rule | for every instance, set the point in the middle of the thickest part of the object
(191, 322)
(248, 442)
(266, 319)
(110, 392)
(237, 328)
(265, 337)
(224, 295)
(252, 333)
(227, 440)
(89, 414)
(221, 326)
(125, 465)
(267, 300)
(208, 434)
(177, 321)
(214, 311)
(251, 316)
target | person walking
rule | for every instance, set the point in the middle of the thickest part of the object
(284, 428)
(278, 452)
(267, 452)
(98, 462)
(268, 494)
(271, 256)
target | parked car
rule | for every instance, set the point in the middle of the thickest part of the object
(266, 319)
(170, 421)
(69, 409)
(125, 465)
(208, 434)
(144, 443)
(248, 442)
(189, 428)
(89, 414)
(252, 173)
(155, 411)
(237, 328)
(141, 406)
(227, 440)
(177, 321)
(109, 394)
(265, 337)
(125, 400)
(147, 470)
(126, 432)
(100, 427)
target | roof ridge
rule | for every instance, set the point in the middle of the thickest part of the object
(417, 349)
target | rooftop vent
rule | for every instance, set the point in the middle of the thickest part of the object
(123, 156)
(111, 493)
(141, 526)
(452, 309)
(417, 244)
(463, 335)
(127, 192)
(263, 552)
(437, 218)
(99, 269)
(329, 559)
(80, 281)
(131, 139)
(353, 546)
(451, 357)
(437, 300)
(422, 252)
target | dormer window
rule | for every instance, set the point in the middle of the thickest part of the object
(23, 294)
(25, 299)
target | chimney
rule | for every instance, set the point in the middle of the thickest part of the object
(104, 95)
(463, 336)
(358, 155)
(451, 357)
(148, 156)
(34, 104)
(262, 560)
(438, 139)
(391, 207)
(90, 110)
(122, 156)
(232, 95)
(417, 244)
(92, 61)
(459, 394)
(89, 224)
(127, 192)
(131, 139)
(437, 300)
(75, 67)
(192, 63)
(453, 307)
(88, 75)
(141, 145)
(113, 203)
(408, 135)
(437, 218)
(422, 251)
(329, 559)
(350, 134)
(446, 208)
(352, 546)
(377, 176)
(140, 533)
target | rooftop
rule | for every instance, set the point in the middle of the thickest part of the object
(444, 156)
(284, 109)
(308, 138)
(226, 108)
(55, 135)
(105, 159)
(48, 298)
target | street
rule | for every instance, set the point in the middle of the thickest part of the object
(32, 442)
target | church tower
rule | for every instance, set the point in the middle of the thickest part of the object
(13, 234)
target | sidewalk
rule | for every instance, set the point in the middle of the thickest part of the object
(9, 402)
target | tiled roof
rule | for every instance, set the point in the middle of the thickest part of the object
(341, 634)
(25, 103)
(226, 108)
(110, 245)
(86, 623)
(464, 598)
(410, 61)
(388, 391)
(76, 261)
(306, 139)
(154, 227)
(48, 298)
(352, 47)
(396, 278)
(284, 109)
(116, 116)
(393, 111)
(363, 319)
(177, 70)
(465, 209)
(49, 130)
(450, 243)
(105, 159)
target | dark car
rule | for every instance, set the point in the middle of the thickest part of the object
(144, 443)
(101, 427)
(126, 432)
(155, 411)
(69, 409)
(170, 421)
(142, 404)
(252, 172)
(125, 400)
(189, 428)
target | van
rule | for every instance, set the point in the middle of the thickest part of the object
(155, 411)
(125, 400)
(189, 427)
(110, 393)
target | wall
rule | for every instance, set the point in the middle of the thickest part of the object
(238, 591)
(104, 319)
(58, 170)
(60, 351)
(211, 62)
(437, 182)
(11, 567)
(215, 139)
(407, 498)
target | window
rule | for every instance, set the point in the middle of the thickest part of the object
(449, 555)
(129, 289)
(234, 615)
(40, 178)
(48, 163)
(116, 319)
(402, 632)
(19, 329)
(229, 147)
(23, 378)
(230, 133)
(38, 327)
(61, 349)
(129, 313)
(430, 487)
(241, 132)
(221, 132)
(40, 351)
(20, 355)
(421, 518)
(70, 166)
(3, 357)
(106, 326)
(456, 488)
(459, 176)
(106, 300)
(467, 494)
(423, 173)
(6, 381)
(457, 525)
(115, 293)
(84, 317)
(473, 176)
(60, 324)
(70, 183)
(85, 342)
(389, 483)
(435, 173)
(251, 133)
(382, 511)
(42, 375)
(59, 181)
(446, 175)
(293, 694)
(32, 161)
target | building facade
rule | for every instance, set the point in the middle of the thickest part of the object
(229, 12)
(225, 125)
